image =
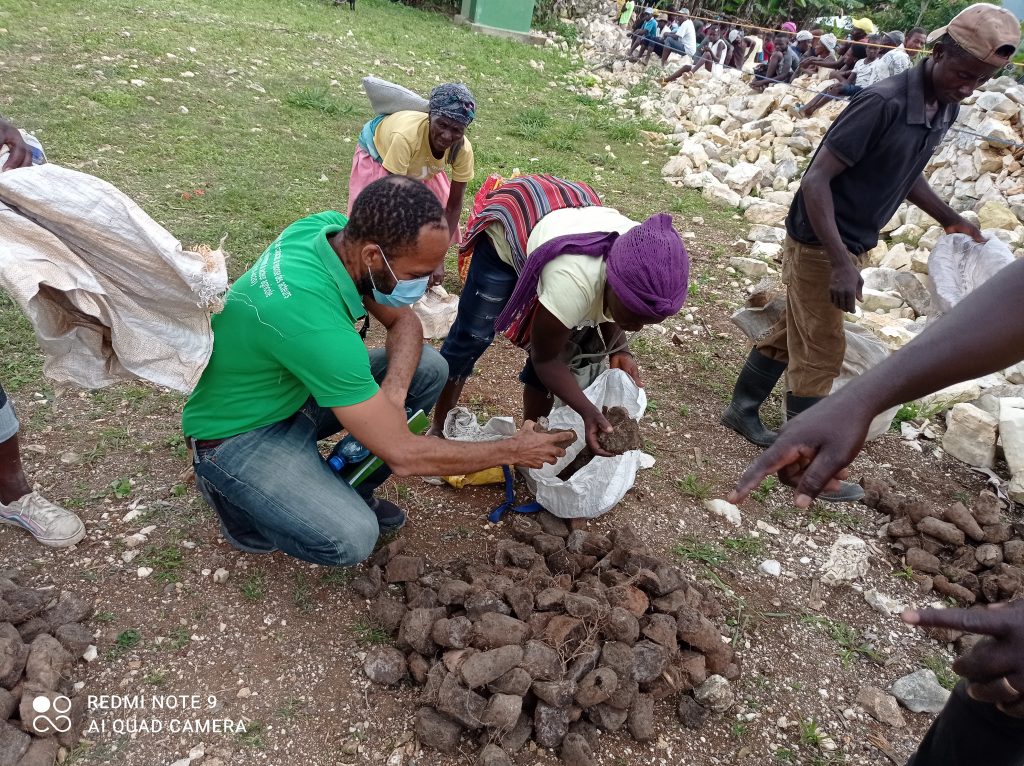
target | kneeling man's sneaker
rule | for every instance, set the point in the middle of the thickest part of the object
(49, 523)
(389, 516)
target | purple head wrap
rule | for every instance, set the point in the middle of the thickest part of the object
(647, 267)
(790, 27)
(454, 101)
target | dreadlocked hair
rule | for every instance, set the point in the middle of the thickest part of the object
(391, 211)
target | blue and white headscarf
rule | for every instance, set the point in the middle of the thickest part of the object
(454, 101)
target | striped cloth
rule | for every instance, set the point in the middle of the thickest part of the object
(518, 204)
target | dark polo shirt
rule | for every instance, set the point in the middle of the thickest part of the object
(885, 140)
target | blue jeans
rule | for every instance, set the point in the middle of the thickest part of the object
(489, 285)
(8, 420)
(273, 491)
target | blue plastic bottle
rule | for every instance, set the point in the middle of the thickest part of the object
(347, 452)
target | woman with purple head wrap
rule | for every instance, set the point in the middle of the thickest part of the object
(426, 146)
(550, 265)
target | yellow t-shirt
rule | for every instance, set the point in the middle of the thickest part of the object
(571, 287)
(403, 143)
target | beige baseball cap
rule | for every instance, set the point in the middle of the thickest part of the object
(981, 30)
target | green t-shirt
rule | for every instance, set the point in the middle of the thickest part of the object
(287, 332)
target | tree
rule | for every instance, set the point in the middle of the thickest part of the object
(905, 14)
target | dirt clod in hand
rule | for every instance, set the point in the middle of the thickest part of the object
(624, 436)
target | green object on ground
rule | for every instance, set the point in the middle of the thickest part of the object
(514, 15)
(357, 474)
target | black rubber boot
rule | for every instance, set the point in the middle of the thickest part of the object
(797, 404)
(849, 492)
(755, 383)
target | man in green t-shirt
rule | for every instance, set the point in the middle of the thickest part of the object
(289, 368)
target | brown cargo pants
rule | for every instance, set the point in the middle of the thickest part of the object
(809, 335)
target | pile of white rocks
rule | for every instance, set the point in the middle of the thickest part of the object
(747, 150)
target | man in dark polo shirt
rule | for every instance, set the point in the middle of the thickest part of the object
(289, 368)
(869, 162)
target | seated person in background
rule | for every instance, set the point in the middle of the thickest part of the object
(648, 29)
(562, 276)
(754, 46)
(824, 56)
(850, 82)
(713, 56)
(894, 61)
(682, 40)
(289, 368)
(780, 67)
(739, 49)
(855, 40)
(657, 45)
(804, 44)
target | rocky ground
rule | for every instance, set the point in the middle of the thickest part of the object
(231, 658)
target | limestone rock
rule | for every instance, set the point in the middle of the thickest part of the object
(878, 278)
(725, 509)
(742, 177)
(848, 559)
(908, 234)
(759, 232)
(971, 435)
(750, 267)
(919, 261)
(1011, 431)
(913, 291)
(766, 250)
(994, 215)
(876, 300)
(767, 213)
(677, 167)
(719, 194)
(897, 258)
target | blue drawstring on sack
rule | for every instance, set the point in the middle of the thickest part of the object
(510, 500)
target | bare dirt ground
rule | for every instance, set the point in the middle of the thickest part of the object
(278, 645)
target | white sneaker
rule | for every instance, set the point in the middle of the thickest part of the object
(48, 523)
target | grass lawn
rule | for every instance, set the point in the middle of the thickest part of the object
(257, 105)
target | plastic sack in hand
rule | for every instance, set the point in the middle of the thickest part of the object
(958, 265)
(598, 486)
